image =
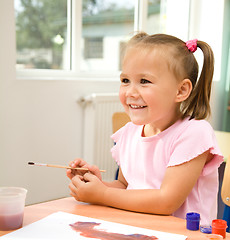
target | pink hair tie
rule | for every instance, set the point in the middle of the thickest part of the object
(192, 45)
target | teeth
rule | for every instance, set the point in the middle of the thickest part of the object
(136, 106)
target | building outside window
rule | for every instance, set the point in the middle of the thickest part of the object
(93, 47)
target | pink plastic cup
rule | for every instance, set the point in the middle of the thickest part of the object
(12, 203)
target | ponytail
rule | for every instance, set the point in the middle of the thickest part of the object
(197, 105)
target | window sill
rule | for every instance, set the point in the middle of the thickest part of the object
(52, 75)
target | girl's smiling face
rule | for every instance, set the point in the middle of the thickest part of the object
(149, 89)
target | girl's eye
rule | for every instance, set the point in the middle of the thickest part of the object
(143, 81)
(125, 80)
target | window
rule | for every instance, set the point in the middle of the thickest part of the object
(86, 36)
(41, 34)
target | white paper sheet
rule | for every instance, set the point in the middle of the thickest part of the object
(57, 226)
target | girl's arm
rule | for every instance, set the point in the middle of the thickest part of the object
(120, 183)
(176, 186)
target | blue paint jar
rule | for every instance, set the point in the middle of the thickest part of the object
(193, 221)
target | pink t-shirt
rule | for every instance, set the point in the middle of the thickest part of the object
(143, 161)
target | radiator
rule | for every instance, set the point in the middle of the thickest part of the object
(98, 111)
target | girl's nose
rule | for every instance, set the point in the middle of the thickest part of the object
(132, 91)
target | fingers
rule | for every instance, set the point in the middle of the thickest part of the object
(73, 191)
(89, 177)
(69, 174)
(95, 170)
(78, 162)
(77, 181)
(87, 188)
(75, 185)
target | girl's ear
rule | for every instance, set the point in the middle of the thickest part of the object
(184, 90)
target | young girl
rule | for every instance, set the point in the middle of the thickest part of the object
(167, 155)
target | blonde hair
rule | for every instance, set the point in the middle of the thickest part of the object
(184, 65)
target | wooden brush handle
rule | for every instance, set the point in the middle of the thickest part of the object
(60, 166)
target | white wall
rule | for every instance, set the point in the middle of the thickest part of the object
(41, 121)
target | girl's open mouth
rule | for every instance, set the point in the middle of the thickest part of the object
(136, 106)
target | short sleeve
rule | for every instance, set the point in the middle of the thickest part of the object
(194, 140)
(117, 138)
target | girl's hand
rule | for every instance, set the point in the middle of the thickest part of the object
(87, 188)
(77, 163)
(80, 163)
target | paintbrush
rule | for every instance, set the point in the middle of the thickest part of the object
(59, 166)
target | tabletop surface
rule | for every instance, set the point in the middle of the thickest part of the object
(70, 205)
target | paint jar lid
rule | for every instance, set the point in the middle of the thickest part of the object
(192, 216)
(219, 223)
(206, 229)
(214, 237)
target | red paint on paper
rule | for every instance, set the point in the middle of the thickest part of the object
(87, 229)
